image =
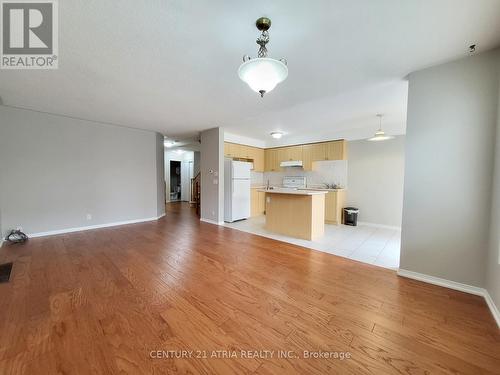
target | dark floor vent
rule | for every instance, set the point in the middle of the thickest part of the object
(5, 272)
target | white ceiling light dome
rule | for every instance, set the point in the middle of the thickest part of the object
(263, 73)
(277, 135)
(380, 134)
(169, 143)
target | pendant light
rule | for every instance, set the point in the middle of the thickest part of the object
(380, 134)
(263, 73)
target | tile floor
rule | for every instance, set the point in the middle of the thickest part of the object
(378, 246)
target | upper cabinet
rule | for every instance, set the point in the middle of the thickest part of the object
(307, 157)
(334, 150)
(269, 160)
(229, 149)
(255, 154)
(292, 153)
(318, 151)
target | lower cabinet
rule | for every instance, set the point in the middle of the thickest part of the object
(257, 202)
(334, 205)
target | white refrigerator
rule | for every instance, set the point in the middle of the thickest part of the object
(236, 190)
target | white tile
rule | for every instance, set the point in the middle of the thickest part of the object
(363, 258)
(379, 246)
(387, 262)
(367, 251)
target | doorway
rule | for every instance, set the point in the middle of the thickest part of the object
(175, 181)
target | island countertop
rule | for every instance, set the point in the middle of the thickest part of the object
(294, 192)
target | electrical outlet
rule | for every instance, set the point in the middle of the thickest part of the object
(89, 216)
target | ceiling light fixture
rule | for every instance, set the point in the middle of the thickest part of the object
(276, 135)
(169, 143)
(380, 134)
(263, 73)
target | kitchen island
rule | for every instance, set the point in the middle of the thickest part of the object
(295, 213)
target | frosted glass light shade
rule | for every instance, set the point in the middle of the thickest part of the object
(380, 136)
(263, 74)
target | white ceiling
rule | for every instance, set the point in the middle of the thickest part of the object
(170, 66)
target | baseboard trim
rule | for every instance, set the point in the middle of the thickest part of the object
(375, 225)
(455, 286)
(493, 307)
(212, 221)
(90, 227)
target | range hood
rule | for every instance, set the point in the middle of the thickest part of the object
(291, 163)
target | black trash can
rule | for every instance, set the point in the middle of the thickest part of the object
(351, 216)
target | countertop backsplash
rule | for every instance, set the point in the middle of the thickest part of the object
(257, 178)
(330, 172)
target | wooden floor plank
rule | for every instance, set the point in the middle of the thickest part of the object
(109, 300)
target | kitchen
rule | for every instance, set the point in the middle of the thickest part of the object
(298, 194)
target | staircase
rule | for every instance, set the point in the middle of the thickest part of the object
(196, 192)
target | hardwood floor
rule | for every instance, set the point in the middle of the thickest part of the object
(105, 301)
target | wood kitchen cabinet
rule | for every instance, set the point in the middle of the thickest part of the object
(257, 156)
(336, 150)
(318, 151)
(281, 155)
(229, 149)
(307, 160)
(257, 202)
(271, 160)
(268, 160)
(291, 153)
(246, 152)
(254, 154)
(235, 150)
(334, 204)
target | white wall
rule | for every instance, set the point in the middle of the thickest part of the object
(196, 162)
(493, 259)
(240, 139)
(452, 119)
(375, 180)
(55, 170)
(160, 175)
(212, 175)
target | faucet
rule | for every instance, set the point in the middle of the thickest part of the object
(267, 187)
